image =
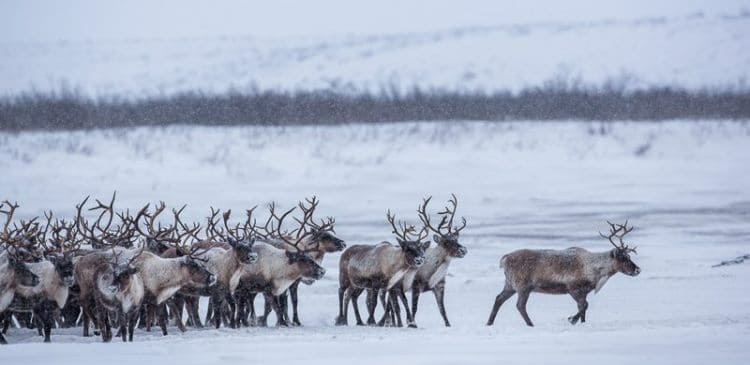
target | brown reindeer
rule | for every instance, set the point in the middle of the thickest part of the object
(574, 271)
(277, 269)
(108, 284)
(316, 239)
(379, 267)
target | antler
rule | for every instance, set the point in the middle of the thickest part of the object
(619, 231)
(307, 219)
(211, 231)
(405, 230)
(186, 231)
(160, 234)
(9, 214)
(450, 213)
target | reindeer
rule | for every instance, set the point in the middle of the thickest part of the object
(318, 240)
(54, 271)
(276, 270)
(380, 267)
(13, 273)
(163, 277)
(431, 275)
(574, 271)
(227, 264)
(109, 285)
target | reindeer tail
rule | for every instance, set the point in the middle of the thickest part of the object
(502, 261)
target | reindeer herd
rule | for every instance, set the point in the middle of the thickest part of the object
(117, 271)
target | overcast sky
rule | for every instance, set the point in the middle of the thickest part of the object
(33, 20)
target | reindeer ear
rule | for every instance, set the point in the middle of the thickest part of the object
(436, 238)
(289, 256)
(425, 245)
(232, 242)
(401, 243)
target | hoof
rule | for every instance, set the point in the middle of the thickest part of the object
(341, 322)
(412, 325)
(573, 320)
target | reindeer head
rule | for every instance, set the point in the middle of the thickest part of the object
(621, 252)
(24, 276)
(413, 247)
(123, 271)
(240, 238)
(63, 268)
(197, 274)
(446, 235)
(309, 269)
(321, 235)
(243, 250)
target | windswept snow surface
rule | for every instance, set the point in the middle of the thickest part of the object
(143, 49)
(684, 185)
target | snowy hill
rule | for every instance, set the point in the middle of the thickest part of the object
(502, 47)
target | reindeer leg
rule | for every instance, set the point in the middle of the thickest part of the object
(284, 305)
(439, 292)
(192, 304)
(131, 320)
(414, 302)
(355, 295)
(507, 292)
(233, 323)
(409, 314)
(251, 307)
(293, 296)
(523, 297)
(45, 315)
(163, 317)
(103, 323)
(344, 296)
(387, 309)
(583, 304)
(218, 306)
(6, 319)
(143, 315)
(150, 313)
(86, 318)
(275, 305)
(176, 311)
(372, 302)
(393, 297)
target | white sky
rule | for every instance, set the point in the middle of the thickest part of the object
(34, 20)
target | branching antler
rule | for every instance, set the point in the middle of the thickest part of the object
(619, 231)
(403, 231)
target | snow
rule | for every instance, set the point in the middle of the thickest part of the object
(683, 184)
(370, 46)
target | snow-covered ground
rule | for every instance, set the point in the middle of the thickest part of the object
(372, 46)
(684, 185)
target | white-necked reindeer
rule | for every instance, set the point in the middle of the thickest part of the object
(277, 269)
(574, 271)
(13, 272)
(317, 240)
(431, 275)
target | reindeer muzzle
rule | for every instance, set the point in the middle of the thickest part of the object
(419, 261)
(69, 281)
(319, 273)
(251, 257)
(461, 252)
